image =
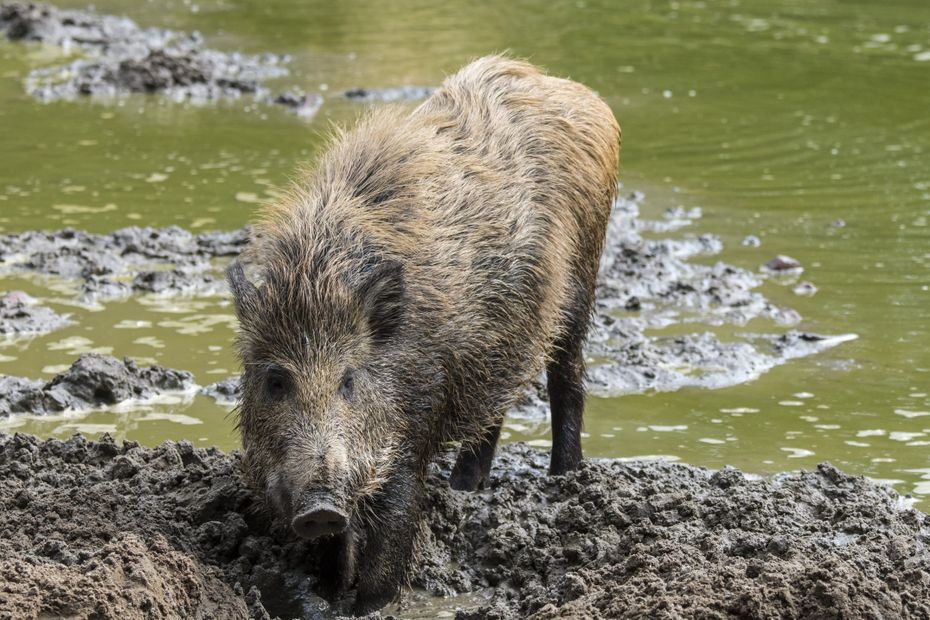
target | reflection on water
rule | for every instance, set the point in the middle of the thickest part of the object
(798, 127)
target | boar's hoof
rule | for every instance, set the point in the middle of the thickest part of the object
(466, 475)
(367, 602)
(321, 520)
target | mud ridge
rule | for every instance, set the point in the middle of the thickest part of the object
(129, 260)
(649, 280)
(93, 527)
(119, 58)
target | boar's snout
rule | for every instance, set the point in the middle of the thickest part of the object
(319, 516)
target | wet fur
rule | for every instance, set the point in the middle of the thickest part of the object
(447, 256)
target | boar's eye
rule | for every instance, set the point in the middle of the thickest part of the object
(347, 387)
(277, 382)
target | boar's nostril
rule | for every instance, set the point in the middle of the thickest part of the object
(321, 520)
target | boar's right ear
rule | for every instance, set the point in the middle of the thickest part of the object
(382, 294)
(245, 295)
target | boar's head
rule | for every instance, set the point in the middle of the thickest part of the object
(318, 413)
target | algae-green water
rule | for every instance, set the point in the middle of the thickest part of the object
(776, 118)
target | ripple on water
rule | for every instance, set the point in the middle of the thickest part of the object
(922, 486)
(78, 345)
(797, 453)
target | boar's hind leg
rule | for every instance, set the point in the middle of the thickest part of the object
(389, 541)
(565, 383)
(473, 465)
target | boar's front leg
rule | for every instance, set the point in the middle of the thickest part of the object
(337, 563)
(390, 536)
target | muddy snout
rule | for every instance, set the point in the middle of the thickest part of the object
(319, 515)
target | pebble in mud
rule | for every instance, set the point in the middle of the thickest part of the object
(782, 264)
(92, 381)
(21, 314)
(805, 289)
(614, 539)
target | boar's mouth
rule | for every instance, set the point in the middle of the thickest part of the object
(317, 515)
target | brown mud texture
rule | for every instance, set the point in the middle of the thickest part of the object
(97, 529)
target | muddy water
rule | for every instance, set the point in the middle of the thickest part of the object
(805, 126)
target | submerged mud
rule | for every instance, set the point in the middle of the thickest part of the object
(92, 528)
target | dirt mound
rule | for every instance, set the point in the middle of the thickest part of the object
(94, 528)
(91, 382)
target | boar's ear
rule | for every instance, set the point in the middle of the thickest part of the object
(245, 295)
(382, 295)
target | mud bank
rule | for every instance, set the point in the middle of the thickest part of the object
(94, 528)
(653, 275)
(119, 58)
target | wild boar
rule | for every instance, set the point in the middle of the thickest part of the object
(429, 266)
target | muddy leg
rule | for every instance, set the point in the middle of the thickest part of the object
(565, 383)
(337, 564)
(473, 465)
(389, 545)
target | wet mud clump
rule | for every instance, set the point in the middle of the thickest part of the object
(21, 314)
(93, 381)
(96, 528)
(119, 58)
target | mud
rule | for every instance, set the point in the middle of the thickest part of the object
(389, 95)
(119, 58)
(103, 530)
(653, 275)
(160, 260)
(21, 314)
(92, 382)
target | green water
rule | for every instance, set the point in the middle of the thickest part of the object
(776, 118)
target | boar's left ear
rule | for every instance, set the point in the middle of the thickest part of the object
(245, 295)
(382, 295)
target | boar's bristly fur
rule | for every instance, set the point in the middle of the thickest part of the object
(429, 266)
